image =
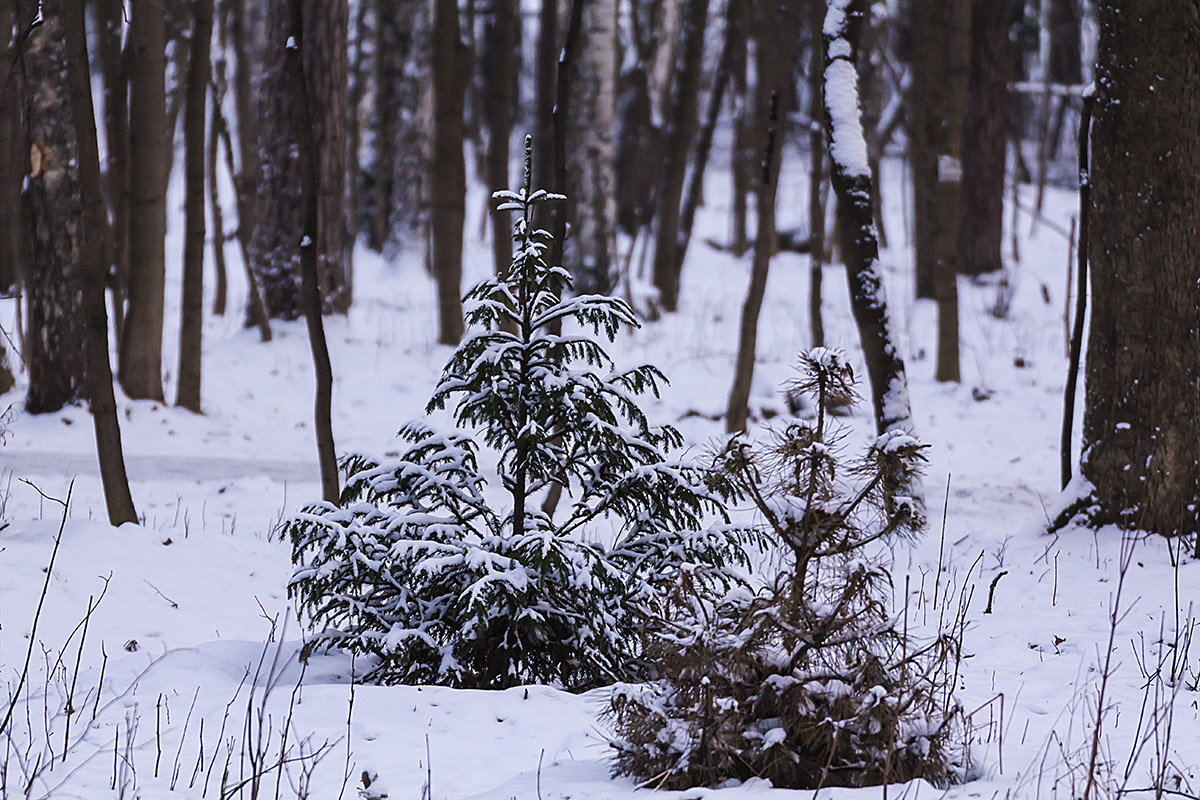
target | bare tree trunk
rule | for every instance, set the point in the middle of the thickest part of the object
(955, 72)
(141, 339)
(591, 182)
(778, 25)
(389, 68)
(741, 156)
(395, 188)
(357, 71)
(448, 181)
(221, 292)
(985, 137)
(256, 309)
(734, 39)
(545, 80)
(278, 213)
(245, 179)
(191, 325)
(114, 60)
(57, 279)
(851, 179)
(11, 157)
(93, 229)
(311, 229)
(816, 174)
(680, 130)
(499, 69)
(1142, 414)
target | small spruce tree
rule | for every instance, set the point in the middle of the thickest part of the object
(809, 681)
(418, 565)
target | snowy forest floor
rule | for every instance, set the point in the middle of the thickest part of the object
(179, 647)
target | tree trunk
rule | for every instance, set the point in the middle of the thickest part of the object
(545, 78)
(985, 137)
(778, 25)
(816, 174)
(256, 309)
(221, 293)
(149, 145)
(56, 285)
(114, 60)
(245, 179)
(733, 41)
(310, 232)
(954, 75)
(278, 214)
(591, 182)
(93, 229)
(191, 325)
(1142, 416)
(389, 68)
(448, 179)
(681, 122)
(11, 157)
(851, 178)
(499, 69)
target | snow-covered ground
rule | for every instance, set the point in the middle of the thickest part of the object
(191, 641)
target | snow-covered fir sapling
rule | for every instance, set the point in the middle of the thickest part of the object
(809, 681)
(418, 564)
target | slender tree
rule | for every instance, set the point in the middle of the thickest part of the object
(681, 123)
(816, 173)
(851, 178)
(778, 25)
(277, 215)
(114, 64)
(735, 24)
(215, 210)
(149, 146)
(194, 119)
(448, 181)
(935, 113)
(92, 232)
(310, 230)
(1142, 414)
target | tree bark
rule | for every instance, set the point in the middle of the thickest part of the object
(985, 137)
(11, 157)
(733, 40)
(93, 228)
(114, 60)
(256, 309)
(448, 179)
(934, 117)
(1142, 415)
(141, 339)
(278, 212)
(681, 123)
(389, 67)
(243, 44)
(191, 325)
(778, 25)
(57, 278)
(221, 292)
(591, 182)
(499, 69)
(955, 73)
(545, 78)
(851, 180)
(310, 189)
(816, 174)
